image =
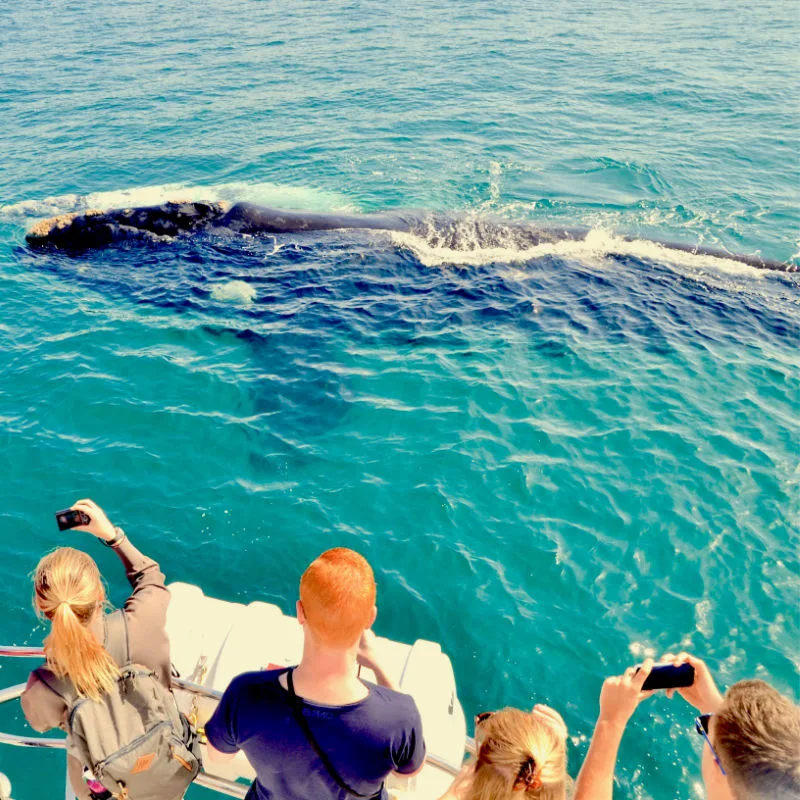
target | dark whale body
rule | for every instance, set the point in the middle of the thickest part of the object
(94, 229)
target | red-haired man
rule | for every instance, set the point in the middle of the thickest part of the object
(317, 730)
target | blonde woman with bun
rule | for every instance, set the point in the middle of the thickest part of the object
(69, 594)
(523, 755)
(519, 754)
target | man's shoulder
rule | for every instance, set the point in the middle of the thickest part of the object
(394, 706)
(392, 696)
(259, 681)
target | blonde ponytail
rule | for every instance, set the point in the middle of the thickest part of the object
(68, 591)
(520, 755)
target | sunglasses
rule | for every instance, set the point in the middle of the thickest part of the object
(483, 716)
(701, 726)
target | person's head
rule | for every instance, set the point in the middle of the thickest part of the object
(520, 754)
(337, 598)
(68, 591)
(756, 736)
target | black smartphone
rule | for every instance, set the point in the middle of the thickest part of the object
(668, 676)
(71, 519)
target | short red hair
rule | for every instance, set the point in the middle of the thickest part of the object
(338, 595)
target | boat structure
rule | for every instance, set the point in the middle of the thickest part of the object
(214, 640)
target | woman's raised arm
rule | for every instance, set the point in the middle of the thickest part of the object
(150, 595)
(618, 700)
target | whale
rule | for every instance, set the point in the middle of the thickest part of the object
(97, 228)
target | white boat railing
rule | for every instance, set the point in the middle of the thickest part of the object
(221, 785)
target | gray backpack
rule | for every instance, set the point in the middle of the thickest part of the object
(134, 740)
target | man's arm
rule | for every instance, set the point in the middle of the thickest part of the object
(410, 774)
(408, 743)
(596, 778)
(368, 658)
(222, 729)
(217, 756)
(618, 700)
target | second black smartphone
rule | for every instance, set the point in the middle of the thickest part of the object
(71, 519)
(668, 676)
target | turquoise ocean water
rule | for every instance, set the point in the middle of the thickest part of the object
(557, 460)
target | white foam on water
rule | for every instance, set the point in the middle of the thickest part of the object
(270, 194)
(234, 292)
(698, 789)
(703, 618)
(641, 650)
(595, 249)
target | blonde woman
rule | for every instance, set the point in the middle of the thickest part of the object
(519, 754)
(69, 593)
(522, 755)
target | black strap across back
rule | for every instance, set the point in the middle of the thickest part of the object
(297, 709)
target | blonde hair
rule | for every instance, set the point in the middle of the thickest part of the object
(338, 596)
(513, 745)
(68, 591)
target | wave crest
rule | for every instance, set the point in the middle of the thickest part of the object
(467, 244)
(273, 194)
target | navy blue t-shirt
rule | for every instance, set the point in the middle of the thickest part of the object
(364, 741)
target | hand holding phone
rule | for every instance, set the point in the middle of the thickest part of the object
(71, 518)
(669, 676)
(87, 516)
(622, 693)
(702, 693)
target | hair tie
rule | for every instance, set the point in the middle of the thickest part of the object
(529, 777)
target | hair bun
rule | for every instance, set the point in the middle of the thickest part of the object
(529, 776)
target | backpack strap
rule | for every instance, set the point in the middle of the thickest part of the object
(297, 709)
(116, 640)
